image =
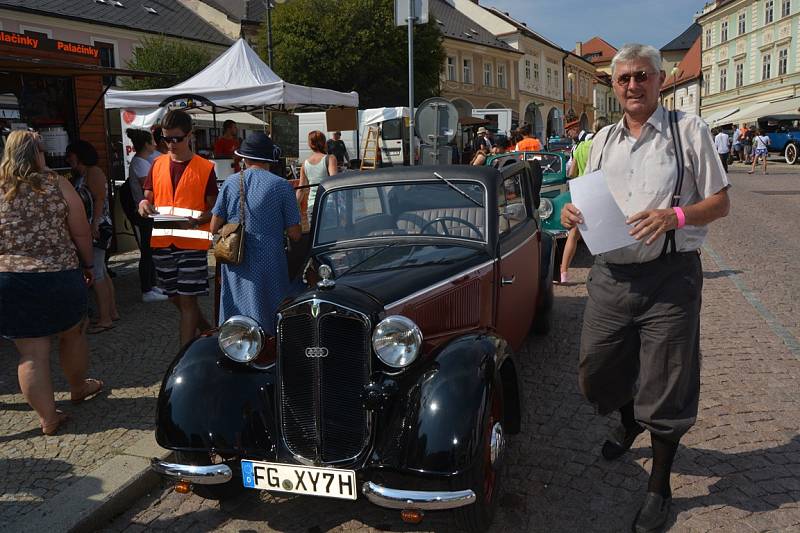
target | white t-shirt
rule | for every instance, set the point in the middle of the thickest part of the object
(761, 142)
(137, 172)
(721, 142)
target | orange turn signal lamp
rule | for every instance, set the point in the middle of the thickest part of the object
(412, 516)
(183, 487)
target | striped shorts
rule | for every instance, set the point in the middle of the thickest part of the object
(181, 271)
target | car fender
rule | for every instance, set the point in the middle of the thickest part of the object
(553, 223)
(208, 402)
(435, 426)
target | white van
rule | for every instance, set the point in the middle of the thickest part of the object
(393, 141)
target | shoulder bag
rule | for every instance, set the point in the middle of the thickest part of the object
(229, 247)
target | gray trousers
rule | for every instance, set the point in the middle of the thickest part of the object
(641, 341)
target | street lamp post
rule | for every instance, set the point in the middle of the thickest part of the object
(268, 5)
(571, 77)
(674, 74)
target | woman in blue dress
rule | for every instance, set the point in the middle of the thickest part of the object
(257, 285)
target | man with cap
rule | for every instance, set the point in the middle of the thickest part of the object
(578, 135)
(183, 184)
(481, 140)
(257, 285)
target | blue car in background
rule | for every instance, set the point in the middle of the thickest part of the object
(784, 135)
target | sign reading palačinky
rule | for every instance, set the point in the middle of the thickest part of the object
(604, 228)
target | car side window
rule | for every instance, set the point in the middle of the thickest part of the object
(511, 206)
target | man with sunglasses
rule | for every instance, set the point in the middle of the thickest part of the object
(640, 344)
(183, 184)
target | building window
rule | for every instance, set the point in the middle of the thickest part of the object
(549, 77)
(558, 81)
(723, 32)
(501, 76)
(536, 72)
(765, 66)
(37, 33)
(769, 11)
(742, 25)
(708, 38)
(488, 75)
(739, 74)
(528, 69)
(467, 71)
(706, 82)
(786, 8)
(106, 60)
(451, 68)
(783, 60)
(723, 80)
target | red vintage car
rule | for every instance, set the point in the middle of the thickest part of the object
(393, 375)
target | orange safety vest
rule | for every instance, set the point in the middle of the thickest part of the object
(188, 201)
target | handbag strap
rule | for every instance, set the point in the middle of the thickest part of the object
(241, 197)
(669, 241)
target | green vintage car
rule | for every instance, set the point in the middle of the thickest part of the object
(555, 190)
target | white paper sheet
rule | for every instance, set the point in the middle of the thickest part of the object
(604, 228)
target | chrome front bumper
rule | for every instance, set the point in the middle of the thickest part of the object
(199, 475)
(558, 233)
(415, 499)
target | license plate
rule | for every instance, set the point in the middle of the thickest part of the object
(328, 482)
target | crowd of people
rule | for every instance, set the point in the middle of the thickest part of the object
(747, 145)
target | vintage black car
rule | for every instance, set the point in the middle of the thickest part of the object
(392, 376)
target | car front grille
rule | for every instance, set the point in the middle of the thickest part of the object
(321, 412)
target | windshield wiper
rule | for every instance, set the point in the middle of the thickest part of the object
(459, 191)
(352, 268)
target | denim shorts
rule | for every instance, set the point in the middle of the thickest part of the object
(40, 304)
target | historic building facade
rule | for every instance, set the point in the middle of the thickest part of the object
(750, 59)
(480, 71)
(579, 79)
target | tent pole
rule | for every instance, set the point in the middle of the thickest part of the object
(214, 121)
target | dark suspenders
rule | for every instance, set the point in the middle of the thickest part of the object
(669, 241)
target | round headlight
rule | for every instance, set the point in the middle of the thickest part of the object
(545, 208)
(241, 338)
(397, 341)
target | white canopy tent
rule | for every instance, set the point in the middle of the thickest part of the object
(236, 80)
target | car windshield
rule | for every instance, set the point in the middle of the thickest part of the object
(452, 209)
(550, 163)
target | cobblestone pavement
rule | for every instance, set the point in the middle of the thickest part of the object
(130, 359)
(738, 469)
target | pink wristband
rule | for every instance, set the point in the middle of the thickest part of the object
(681, 216)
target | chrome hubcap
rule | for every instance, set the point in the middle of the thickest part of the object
(497, 444)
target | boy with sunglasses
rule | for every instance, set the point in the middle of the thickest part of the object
(183, 184)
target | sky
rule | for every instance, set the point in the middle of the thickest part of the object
(566, 22)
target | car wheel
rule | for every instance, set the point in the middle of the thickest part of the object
(224, 491)
(790, 153)
(485, 476)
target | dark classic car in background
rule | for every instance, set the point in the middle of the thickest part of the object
(393, 373)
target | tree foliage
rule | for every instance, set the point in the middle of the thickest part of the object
(353, 45)
(179, 59)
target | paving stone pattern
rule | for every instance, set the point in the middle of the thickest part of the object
(738, 469)
(130, 359)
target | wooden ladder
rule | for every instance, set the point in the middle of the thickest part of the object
(369, 159)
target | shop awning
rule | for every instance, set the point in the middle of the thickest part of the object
(53, 67)
(239, 118)
(719, 116)
(746, 114)
(788, 106)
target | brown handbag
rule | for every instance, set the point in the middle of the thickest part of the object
(229, 247)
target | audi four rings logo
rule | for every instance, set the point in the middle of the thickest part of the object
(316, 351)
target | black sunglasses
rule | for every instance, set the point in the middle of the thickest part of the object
(639, 77)
(174, 140)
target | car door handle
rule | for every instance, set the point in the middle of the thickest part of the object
(507, 281)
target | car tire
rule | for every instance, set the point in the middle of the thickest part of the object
(790, 154)
(484, 478)
(222, 492)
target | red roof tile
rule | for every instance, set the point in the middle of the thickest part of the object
(688, 68)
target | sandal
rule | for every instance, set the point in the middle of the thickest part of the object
(52, 427)
(94, 329)
(95, 386)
